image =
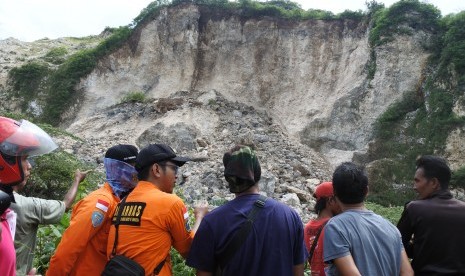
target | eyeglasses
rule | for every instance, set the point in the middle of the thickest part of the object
(173, 167)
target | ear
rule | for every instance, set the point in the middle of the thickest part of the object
(155, 170)
(436, 185)
(337, 200)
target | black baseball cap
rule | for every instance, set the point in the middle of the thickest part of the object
(155, 153)
(124, 153)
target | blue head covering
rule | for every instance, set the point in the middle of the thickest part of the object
(121, 176)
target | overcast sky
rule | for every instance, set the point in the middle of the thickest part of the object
(29, 20)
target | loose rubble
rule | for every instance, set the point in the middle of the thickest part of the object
(290, 170)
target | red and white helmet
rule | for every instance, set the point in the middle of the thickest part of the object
(20, 139)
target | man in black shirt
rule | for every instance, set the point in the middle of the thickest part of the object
(433, 227)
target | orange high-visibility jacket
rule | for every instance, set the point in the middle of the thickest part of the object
(151, 222)
(82, 250)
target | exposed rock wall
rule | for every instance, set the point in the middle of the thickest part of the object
(309, 75)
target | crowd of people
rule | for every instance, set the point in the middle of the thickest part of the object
(135, 214)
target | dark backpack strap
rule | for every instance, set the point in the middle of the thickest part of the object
(157, 269)
(118, 219)
(239, 237)
(315, 241)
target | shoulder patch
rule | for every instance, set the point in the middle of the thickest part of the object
(186, 218)
(102, 205)
(185, 213)
(97, 218)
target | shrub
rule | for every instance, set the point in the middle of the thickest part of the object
(400, 18)
(391, 118)
(133, 97)
(26, 81)
(48, 238)
(390, 182)
(453, 52)
(53, 173)
(56, 55)
(318, 14)
(150, 10)
(458, 178)
(179, 266)
(354, 15)
(373, 6)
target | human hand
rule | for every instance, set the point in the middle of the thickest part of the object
(33, 272)
(200, 209)
(80, 176)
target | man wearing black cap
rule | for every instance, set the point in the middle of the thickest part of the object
(82, 250)
(153, 219)
(274, 245)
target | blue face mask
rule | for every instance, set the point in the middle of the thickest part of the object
(121, 176)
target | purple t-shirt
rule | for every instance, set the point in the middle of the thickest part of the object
(273, 246)
(7, 249)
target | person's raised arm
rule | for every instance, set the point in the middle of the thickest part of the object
(71, 194)
(199, 212)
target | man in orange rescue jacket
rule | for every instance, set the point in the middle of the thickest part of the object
(82, 250)
(153, 218)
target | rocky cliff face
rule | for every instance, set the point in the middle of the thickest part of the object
(298, 91)
(310, 76)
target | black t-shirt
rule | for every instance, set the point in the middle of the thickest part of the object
(436, 226)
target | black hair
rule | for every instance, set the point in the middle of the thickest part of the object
(350, 183)
(143, 174)
(237, 184)
(435, 167)
(320, 205)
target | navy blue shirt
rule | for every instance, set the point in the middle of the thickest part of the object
(274, 245)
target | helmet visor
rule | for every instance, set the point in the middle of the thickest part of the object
(29, 140)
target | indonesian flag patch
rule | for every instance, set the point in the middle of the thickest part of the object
(186, 214)
(186, 218)
(102, 205)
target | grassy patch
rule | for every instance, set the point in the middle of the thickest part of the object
(56, 55)
(390, 213)
(134, 97)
